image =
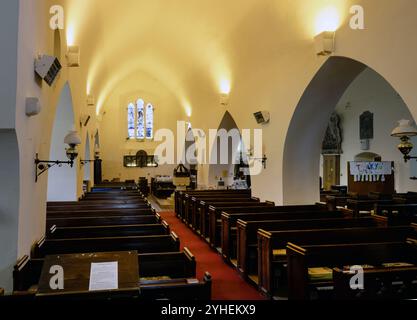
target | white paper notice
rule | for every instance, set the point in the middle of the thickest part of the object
(104, 276)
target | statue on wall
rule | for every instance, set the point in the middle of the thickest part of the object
(332, 143)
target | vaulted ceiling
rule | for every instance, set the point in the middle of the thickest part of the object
(184, 43)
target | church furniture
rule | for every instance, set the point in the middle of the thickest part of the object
(394, 283)
(103, 220)
(397, 214)
(166, 275)
(1, 292)
(109, 231)
(194, 203)
(143, 244)
(217, 208)
(300, 259)
(178, 289)
(100, 213)
(180, 196)
(162, 187)
(100, 206)
(271, 265)
(228, 228)
(361, 207)
(77, 276)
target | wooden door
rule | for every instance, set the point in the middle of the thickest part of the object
(331, 171)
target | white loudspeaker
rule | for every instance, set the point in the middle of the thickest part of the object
(47, 67)
(73, 56)
(33, 106)
(262, 117)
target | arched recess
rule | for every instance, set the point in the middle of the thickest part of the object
(62, 181)
(87, 156)
(9, 205)
(224, 168)
(301, 163)
(96, 140)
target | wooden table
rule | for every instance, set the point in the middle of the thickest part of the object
(77, 269)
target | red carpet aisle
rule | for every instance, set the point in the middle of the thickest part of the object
(227, 285)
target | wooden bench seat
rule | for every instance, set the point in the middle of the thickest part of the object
(398, 283)
(99, 206)
(99, 213)
(272, 255)
(181, 197)
(226, 230)
(144, 244)
(108, 231)
(397, 214)
(102, 221)
(164, 275)
(302, 258)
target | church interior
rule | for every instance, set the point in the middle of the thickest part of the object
(258, 150)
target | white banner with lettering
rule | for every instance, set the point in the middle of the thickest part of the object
(370, 171)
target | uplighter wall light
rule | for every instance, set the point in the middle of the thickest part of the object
(325, 43)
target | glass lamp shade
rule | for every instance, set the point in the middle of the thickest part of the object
(405, 128)
(72, 139)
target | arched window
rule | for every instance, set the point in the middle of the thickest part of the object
(149, 122)
(141, 119)
(140, 124)
(131, 121)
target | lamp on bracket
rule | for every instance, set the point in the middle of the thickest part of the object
(405, 130)
(73, 140)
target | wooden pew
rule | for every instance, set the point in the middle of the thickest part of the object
(109, 231)
(193, 203)
(201, 215)
(301, 258)
(95, 202)
(99, 213)
(215, 210)
(167, 275)
(102, 221)
(395, 283)
(397, 214)
(178, 289)
(226, 231)
(1, 292)
(364, 206)
(145, 244)
(99, 206)
(174, 265)
(271, 265)
(180, 197)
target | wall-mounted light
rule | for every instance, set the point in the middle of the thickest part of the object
(73, 140)
(325, 43)
(73, 56)
(91, 101)
(224, 99)
(405, 131)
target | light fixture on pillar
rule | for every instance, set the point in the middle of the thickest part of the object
(405, 131)
(325, 43)
(73, 140)
(96, 152)
(73, 56)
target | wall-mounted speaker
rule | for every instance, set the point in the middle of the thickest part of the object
(262, 117)
(47, 67)
(33, 106)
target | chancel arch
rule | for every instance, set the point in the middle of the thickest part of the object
(338, 87)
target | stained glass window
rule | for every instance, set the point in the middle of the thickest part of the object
(131, 121)
(149, 122)
(141, 120)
